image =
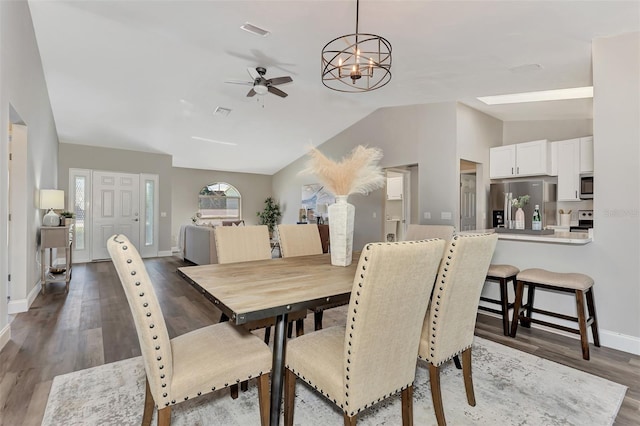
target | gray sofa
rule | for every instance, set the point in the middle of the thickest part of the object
(200, 245)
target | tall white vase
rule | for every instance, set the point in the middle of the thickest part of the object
(341, 219)
(519, 218)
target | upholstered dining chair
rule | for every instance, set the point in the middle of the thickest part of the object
(304, 240)
(451, 318)
(423, 232)
(243, 244)
(194, 363)
(371, 358)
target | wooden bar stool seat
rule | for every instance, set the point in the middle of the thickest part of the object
(501, 274)
(579, 284)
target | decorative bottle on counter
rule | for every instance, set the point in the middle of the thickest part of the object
(536, 223)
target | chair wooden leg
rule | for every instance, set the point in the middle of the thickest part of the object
(263, 398)
(300, 327)
(529, 306)
(504, 299)
(582, 324)
(289, 396)
(436, 394)
(267, 335)
(148, 405)
(290, 330)
(233, 389)
(591, 306)
(244, 385)
(317, 320)
(349, 420)
(516, 308)
(468, 377)
(407, 406)
(164, 416)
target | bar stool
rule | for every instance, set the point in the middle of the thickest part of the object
(579, 284)
(501, 274)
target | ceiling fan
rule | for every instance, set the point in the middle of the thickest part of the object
(262, 85)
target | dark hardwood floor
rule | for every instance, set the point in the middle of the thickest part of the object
(92, 325)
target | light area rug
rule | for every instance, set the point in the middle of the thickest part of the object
(511, 388)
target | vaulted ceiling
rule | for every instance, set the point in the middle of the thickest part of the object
(148, 75)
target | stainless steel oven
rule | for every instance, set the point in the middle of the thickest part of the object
(586, 186)
(585, 221)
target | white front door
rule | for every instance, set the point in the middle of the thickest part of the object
(116, 204)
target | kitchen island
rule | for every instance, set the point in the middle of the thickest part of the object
(572, 238)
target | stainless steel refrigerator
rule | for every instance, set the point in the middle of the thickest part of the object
(541, 192)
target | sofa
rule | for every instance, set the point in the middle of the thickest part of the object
(199, 245)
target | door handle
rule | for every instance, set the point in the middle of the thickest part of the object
(136, 219)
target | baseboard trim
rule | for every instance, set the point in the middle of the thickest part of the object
(165, 253)
(5, 336)
(609, 339)
(23, 305)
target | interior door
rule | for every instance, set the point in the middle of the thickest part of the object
(116, 203)
(467, 201)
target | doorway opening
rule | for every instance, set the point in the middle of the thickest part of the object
(468, 198)
(397, 201)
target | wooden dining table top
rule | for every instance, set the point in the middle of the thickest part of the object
(249, 291)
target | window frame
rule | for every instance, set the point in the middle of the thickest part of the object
(219, 191)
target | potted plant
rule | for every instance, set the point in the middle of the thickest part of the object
(270, 214)
(68, 217)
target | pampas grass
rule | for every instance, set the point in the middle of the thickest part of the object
(358, 173)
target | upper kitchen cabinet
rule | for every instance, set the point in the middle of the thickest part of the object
(586, 154)
(569, 170)
(394, 188)
(574, 156)
(522, 159)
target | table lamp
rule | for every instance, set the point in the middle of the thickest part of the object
(51, 199)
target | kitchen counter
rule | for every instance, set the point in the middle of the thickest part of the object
(571, 238)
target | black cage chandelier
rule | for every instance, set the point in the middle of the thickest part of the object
(356, 62)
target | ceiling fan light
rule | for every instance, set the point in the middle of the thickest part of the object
(260, 89)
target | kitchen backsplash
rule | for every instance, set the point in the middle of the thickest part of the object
(574, 206)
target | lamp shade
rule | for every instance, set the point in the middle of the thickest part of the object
(51, 199)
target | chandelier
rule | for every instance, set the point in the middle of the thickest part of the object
(356, 62)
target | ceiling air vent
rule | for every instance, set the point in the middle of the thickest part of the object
(255, 30)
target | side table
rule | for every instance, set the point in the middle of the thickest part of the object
(55, 237)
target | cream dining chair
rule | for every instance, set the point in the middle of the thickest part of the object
(450, 321)
(190, 365)
(243, 244)
(304, 240)
(371, 358)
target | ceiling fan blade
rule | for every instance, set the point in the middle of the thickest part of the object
(276, 91)
(251, 93)
(246, 83)
(279, 80)
(253, 73)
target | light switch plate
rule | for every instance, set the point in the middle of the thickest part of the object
(427, 215)
(445, 215)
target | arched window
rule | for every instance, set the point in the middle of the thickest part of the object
(219, 201)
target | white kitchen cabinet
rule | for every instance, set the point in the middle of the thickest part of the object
(522, 159)
(569, 170)
(586, 154)
(394, 188)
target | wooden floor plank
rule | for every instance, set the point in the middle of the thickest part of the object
(92, 325)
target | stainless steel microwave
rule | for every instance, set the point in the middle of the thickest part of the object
(586, 186)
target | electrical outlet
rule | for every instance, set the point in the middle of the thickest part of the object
(427, 215)
(375, 215)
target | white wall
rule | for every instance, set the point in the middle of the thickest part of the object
(187, 183)
(22, 85)
(416, 134)
(553, 130)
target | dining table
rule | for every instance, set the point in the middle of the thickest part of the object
(274, 288)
